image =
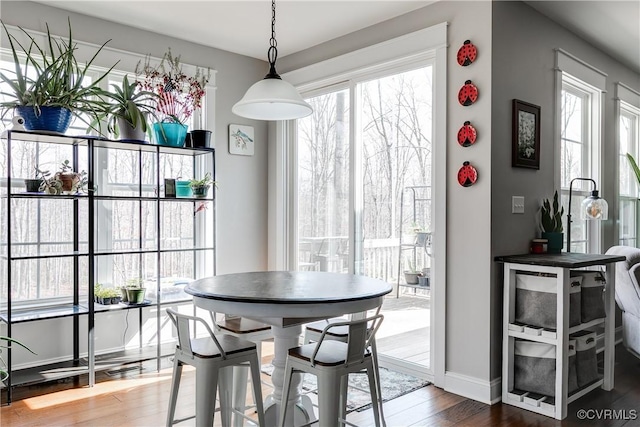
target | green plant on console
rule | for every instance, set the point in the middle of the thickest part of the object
(551, 216)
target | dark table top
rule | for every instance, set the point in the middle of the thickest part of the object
(288, 287)
(564, 259)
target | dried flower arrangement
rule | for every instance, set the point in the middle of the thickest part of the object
(179, 95)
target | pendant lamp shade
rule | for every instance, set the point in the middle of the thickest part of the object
(272, 98)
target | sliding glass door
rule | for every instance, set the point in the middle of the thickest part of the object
(364, 186)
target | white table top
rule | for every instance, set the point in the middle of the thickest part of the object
(284, 298)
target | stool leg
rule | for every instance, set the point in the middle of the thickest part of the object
(375, 402)
(376, 372)
(206, 388)
(328, 399)
(344, 385)
(175, 386)
(288, 373)
(257, 390)
(225, 389)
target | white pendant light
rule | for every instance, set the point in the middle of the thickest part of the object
(272, 98)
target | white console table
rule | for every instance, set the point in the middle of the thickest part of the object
(559, 265)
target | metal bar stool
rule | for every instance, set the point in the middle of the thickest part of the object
(313, 332)
(209, 356)
(249, 330)
(332, 361)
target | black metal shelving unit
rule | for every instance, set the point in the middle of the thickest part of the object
(203, 160)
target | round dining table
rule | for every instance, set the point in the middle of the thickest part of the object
(286, 300)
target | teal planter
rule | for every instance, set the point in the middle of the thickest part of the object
(555, 242)
(183, 189)
(171, 134)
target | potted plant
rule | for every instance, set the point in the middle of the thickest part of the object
(178, 96)
(106, 296)
(48, 85)
(3, 372)
(128, 111)
(135, 291)
(411, 275)
(551, 224)
(49, 184)
(72, 182)
(200, 187)
(33, 185)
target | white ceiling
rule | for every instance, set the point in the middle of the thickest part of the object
(244, 26)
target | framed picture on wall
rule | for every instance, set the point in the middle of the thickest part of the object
(241, 140)
(525, 144)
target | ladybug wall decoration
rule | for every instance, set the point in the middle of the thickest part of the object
(467, 135)
(467, 53)
(467, 175)
(468, 94)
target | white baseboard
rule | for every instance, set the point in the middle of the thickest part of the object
(488, 392)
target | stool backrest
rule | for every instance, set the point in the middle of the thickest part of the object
(182, 322)
(361, 334)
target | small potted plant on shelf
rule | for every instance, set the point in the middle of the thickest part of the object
(135, 291)
(551, 224)
(128, 111)
(33, 185)
(411, 275)
(106, 296)
(48, 85)
(178, 95)
(200, 187)
(50, 184)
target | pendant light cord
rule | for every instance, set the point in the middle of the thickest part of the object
(272, 53)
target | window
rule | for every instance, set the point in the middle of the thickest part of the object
(628, 135)
(580, 127)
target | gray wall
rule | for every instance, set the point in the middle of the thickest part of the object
(523, 68)
(468, 209)
(242, 181)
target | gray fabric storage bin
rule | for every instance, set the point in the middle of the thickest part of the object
(536, 300)
(586, 360)
(534, 367)
(573, 373)
(592, 298)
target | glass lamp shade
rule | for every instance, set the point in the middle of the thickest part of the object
(594, 207)
(272, 99)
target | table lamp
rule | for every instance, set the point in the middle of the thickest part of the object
(592, 207)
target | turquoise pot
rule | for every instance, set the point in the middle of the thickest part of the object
(183, 189)
(555, 242)
(171, 134)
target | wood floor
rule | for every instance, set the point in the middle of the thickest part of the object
(140, 399)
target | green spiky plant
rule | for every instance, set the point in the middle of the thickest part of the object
(551, 215)
(634, 166)
(51, 76)
(4, 374)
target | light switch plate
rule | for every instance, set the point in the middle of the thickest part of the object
(517, 204)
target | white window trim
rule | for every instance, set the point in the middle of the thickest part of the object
(590, 79)
(414, 48)
(625, 98)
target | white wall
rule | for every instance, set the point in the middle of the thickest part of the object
(242, 181)
(523, 68)
(468, 209)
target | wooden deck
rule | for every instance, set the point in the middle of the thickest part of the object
(404, 333)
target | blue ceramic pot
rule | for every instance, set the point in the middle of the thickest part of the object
(171, 134)
(50, 119)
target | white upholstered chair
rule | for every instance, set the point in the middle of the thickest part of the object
(628, 295)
